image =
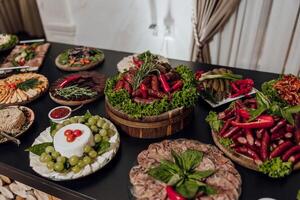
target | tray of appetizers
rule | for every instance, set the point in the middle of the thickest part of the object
(14, 121)
(74, 148)
(8, 41)
(20, 89)
(79, 59)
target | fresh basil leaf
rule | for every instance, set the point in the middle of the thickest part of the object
(191, 159)
(208, 190)
(198, 175)
(175, 168)
(38, 149)
(214, 122)
(102, 147)
(177, 159)
(188, 189)
(162, 173)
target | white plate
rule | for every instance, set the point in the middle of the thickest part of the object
(100, 161)
(227, 100)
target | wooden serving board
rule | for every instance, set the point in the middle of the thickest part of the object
(72, 103)
(239, 158)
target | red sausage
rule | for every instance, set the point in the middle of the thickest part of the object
(154, 83)
(249, 153)
(249, 136)
(265, 144)
(290, 152)
(278, 126)
(119, 85)
(279, 150)
(127, 87)
(294, 159)
(226, 126)
(231, 132)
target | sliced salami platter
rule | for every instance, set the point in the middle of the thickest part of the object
(184, 169)
(79, 59)
(77, 89)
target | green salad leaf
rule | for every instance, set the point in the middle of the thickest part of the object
(121, 100)
(181, 173)
(38, 149)
(268, 90)
(226, 142)
(102, 147)
(276, 168)
(214, 122)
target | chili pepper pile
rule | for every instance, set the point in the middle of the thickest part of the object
(241, 87)
(160, 82)
(261, 139)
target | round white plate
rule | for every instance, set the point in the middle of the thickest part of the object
(100, 161)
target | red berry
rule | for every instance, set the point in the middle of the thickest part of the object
(68, 132)
(71, 138)
(77, 133)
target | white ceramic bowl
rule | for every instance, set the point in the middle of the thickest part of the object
(57, 120)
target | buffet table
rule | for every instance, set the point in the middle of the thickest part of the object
(112, 181)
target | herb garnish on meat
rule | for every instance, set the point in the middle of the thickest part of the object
(182, 174)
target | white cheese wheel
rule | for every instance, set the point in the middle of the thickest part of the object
(76, 147)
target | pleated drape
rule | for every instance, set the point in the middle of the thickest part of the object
(209, 16)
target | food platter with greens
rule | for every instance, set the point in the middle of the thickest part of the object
(75, 148)
(184, 169)
(7, 41)
(79, 58)
(259, 134)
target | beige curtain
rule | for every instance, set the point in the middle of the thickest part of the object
(208, 18)
(20, 16)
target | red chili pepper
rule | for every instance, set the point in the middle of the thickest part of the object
(264, 121)
(198, 74)
(172, 194)
(69, 79)
(164, 83)
(243, 113)
(144, 91)
(177, 85)
(137, 62)
(241, 87)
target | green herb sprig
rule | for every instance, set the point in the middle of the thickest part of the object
(28, 84)
(74, 91)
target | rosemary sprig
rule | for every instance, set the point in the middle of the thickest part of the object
(28, 84)
(149, 66)
(74, 91)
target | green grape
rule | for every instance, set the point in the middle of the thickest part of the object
(103, 132)
(50, 165)
(49, 149)
(73, 160)
(97, 117)
(61, 159)
(81, 120)
(92, 121)
(87, 149)
(93, 154)
(58, 166)
(47, 158)
(97, 138)
(55, 154)
(105, 126)
(87, 160)
(111, 132)
(81, 164)
(43, 157)
(67, 122)
(73, 120)
(59, 126)
(76, 169)
(94, 128)
(100, 123)
(105, 138)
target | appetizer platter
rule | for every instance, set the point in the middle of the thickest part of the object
(77, 89)
(133, 61)
(19, 89)
(220, 86)
(260, 135)
(26, 57)
(75, 148)
(79, 58)
(184, 169)
(151, 100)
(8, 41)
(14, 121)
(284, 90)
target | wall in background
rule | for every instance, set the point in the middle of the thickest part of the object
(121, 25)
(262, 34)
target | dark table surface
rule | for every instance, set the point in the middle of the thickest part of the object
(111, 182)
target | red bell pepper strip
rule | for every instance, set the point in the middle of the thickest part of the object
(264, 121)
(172, 194)
(164, 83)
(177, 85)
(144, 91)
(68, 80)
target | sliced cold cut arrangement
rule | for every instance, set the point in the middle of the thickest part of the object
(184, 169)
